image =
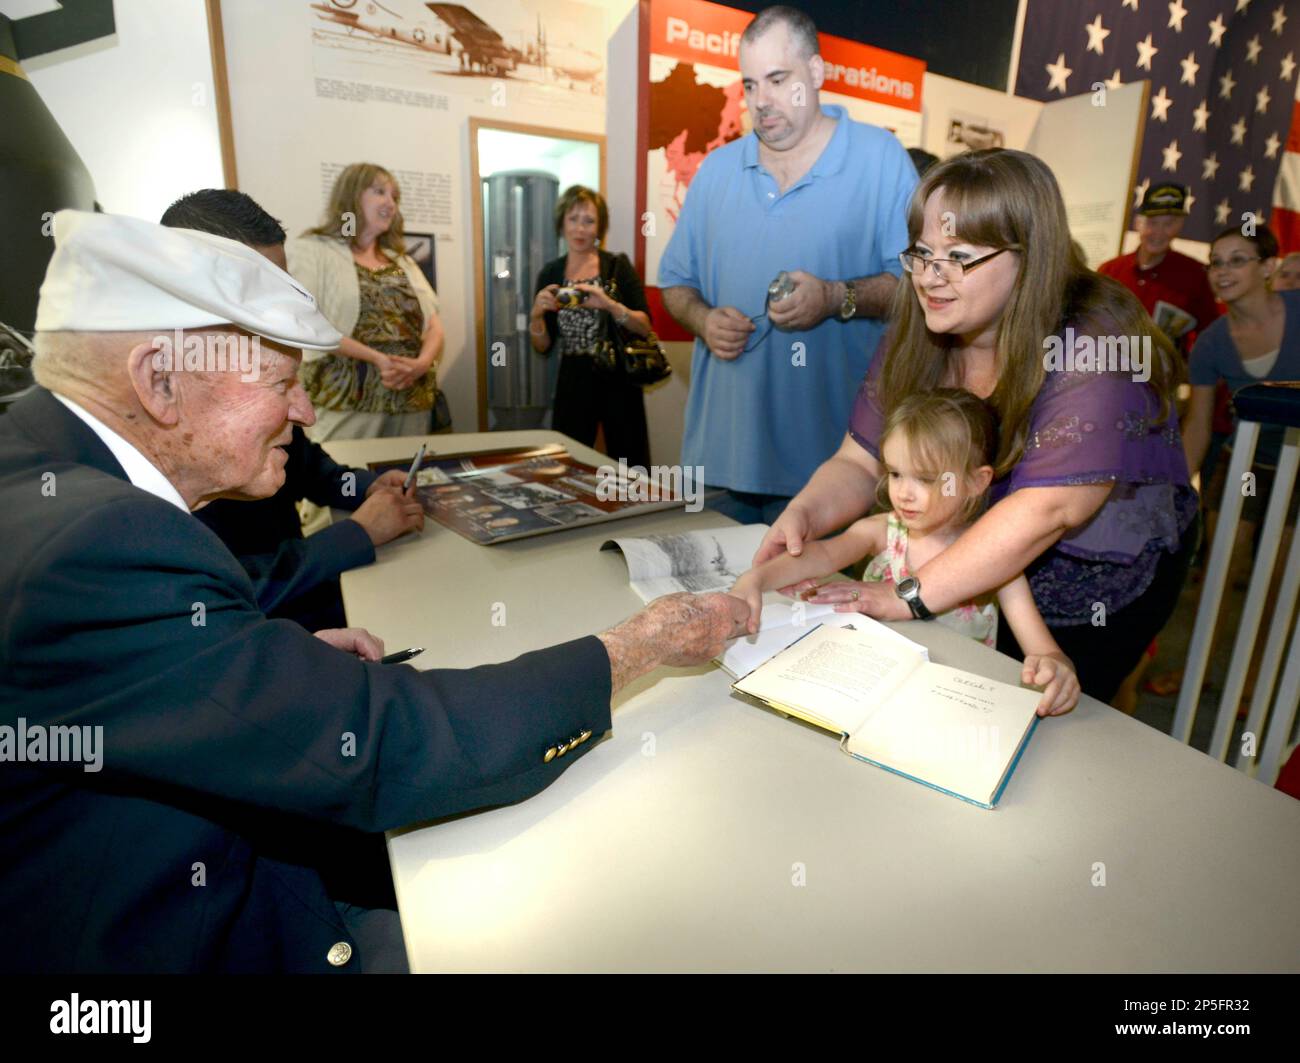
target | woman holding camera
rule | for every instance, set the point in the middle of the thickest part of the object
(579, 296)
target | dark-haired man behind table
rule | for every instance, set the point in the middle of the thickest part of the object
(296, 577)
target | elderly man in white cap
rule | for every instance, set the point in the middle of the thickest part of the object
(166, 751)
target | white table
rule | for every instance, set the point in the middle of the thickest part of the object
(676, 845)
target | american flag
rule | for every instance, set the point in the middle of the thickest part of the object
(1221, 115)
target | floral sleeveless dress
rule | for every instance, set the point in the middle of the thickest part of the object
(890, 566)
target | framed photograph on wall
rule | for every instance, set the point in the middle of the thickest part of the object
(424, 249)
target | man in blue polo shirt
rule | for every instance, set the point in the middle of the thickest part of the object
(810, 193)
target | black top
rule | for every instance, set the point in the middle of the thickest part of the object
(616, 272)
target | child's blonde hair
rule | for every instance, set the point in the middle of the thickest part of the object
(948, 430)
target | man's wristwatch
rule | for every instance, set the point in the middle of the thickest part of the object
(850, 305)
(909, 589)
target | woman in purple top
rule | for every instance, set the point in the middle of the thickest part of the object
(1091, 497)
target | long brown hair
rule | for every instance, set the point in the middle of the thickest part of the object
(345, 199)
(1005, 198)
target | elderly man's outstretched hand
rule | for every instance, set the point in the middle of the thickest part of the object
(699, 625)
(679, 630)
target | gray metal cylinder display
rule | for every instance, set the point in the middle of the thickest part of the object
(519, 238)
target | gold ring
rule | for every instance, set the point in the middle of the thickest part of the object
(855, 596)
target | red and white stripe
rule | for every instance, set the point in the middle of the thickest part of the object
(1286, 194)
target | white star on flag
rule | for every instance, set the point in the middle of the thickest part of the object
(1131, 3)
(1288, 66)
(1059, 72)
(1221, 212)
(1241, 6)
(1239, 132)
(1262, 100)
(1172, 155)
(1201, 116)
(1190, 67)
(1245, 179)
(1146, 51)
(1226, 85)
(1252, 49)
(1140, 192)
(1187, 203)
(1210, 166)
(1097, 34)
(1279, 20)
(1217, 29)
(1160, 105)
(1176, 15)
(1271, 145)
(1114, 81)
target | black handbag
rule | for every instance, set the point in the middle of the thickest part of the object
(641, 358)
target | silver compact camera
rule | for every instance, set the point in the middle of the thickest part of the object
(780, 288)
(567, 298)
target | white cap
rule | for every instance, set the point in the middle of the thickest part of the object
(111, 273)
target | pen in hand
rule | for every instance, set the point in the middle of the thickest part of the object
(415, 467)
(402, 655)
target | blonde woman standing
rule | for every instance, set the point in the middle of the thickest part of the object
(382, 380)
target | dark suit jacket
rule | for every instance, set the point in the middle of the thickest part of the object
(218, 737)
(296, 577)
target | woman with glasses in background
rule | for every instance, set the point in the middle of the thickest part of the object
(1258, 339)
(1091, 498)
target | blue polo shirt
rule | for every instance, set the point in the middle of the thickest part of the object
(763, 423)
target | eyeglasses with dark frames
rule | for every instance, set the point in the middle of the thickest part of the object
(950, 270)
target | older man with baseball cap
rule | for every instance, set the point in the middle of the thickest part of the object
(1170, 285)
(165, 750)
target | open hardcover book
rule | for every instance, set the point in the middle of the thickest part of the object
(951, 730)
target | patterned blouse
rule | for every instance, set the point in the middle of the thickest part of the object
(580, 326)
(391, 322)
(890, 566)
(1087, 428)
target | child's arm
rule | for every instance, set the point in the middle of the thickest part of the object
(820, 558)
(1046, 664)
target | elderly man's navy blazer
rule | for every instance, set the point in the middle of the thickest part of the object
(223, 732)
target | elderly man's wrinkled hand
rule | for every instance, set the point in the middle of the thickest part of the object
(356, 640)
(696, 627)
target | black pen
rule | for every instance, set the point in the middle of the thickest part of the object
(402, 655)
(415, 467)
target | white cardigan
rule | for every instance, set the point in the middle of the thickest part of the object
(324, 266)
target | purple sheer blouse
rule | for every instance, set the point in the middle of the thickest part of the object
(1084, 428)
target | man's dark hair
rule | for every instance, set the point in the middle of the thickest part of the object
(224, 212)
(1263, 239)
(802, 28)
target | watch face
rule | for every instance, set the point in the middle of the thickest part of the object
(908, 587)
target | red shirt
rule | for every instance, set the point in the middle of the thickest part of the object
(1176, 279)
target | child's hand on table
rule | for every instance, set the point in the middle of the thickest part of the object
(1054, 672)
